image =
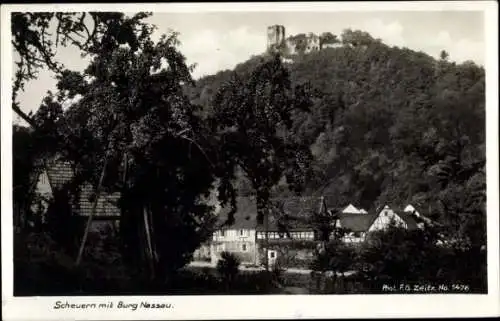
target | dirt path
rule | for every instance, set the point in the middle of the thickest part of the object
(246, 268)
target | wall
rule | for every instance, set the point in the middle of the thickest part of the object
(354, 237)
(312, 43)
(203, 253)
(275, 36)
(331, 45)
(290, 254)
(300, 235)
(241, 242)
(383, 220)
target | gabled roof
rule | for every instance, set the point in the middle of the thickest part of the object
(350, 209)
(245, 216)
(295, 212)
(107, 205)
(301, 206)
(60, 172)
(410, 208)
(409, 219)
(356, 222)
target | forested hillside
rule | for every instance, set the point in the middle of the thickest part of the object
(389, 125)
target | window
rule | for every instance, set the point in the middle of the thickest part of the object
(222, 234)
(244, 233)
(272, 254)
(244, 247)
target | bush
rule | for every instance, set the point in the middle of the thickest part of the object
(228, 266)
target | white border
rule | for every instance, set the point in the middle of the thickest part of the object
(271, 306)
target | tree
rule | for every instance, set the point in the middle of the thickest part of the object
(34, 43)
(252, 117)
(33, 40)
(391, 125)
(357, 38)
(135, 132)
(329, 38)
(336, 257)
(444, 55)
(24, 171)
(228, 267)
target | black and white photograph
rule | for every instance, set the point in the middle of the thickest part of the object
(211, 150)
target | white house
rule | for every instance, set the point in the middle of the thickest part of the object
(351, 209)
(410, 209)
(359, 226)
(238, 238)
(245, 237)
(387, 216)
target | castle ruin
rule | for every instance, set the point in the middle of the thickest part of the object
(275, 37)
(298, 44)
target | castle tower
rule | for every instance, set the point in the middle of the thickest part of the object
(275, 37)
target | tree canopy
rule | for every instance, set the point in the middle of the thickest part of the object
(390, 125)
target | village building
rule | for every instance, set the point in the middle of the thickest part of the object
(358, 225)
(238, 238)
(351, 209)
(331, 45)
(292, 234)
(293, 237)
(51, 181)
(290, 225)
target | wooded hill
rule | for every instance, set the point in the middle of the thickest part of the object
(388, 125)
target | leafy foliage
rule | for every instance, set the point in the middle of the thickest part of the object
(252, 116)
(133, 122)
(35, 47)
(391, 125)
(420, 256)
(365, 122)
(227, 266)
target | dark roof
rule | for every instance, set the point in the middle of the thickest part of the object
(107, 205)
(245, 216)
(356, 222)
(301, 206)
(362, 222)
(409, 218)
(296, 212)
(60, 172)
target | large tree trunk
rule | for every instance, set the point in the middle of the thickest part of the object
(263, 210)
(266, 239)
(25, 117)
(149, 244)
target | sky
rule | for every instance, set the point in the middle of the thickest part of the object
(218, 41)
